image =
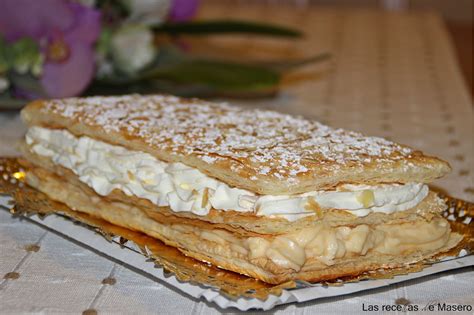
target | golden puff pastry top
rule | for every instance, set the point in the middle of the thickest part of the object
(262, 151)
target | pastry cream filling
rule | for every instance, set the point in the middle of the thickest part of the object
(325, 244)
(105, 167)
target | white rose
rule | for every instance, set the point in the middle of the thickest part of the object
(148, 12)
(132, 48)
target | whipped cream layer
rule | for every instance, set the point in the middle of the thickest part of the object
(105, 167)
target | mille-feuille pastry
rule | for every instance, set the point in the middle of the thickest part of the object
(264, 194)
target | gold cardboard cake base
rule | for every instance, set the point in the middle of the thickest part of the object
(30, 201)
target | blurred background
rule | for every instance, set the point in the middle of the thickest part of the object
(230, 48)
(457, 15)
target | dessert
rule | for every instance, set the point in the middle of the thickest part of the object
(264, 194)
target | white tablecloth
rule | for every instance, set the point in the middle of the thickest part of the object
(63, 277)
(392, 75)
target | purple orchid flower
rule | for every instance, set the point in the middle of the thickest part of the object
(182, 10)
(66, 32)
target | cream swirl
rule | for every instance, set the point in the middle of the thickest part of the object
(105, 167)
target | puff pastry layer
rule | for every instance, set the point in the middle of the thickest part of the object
(262, 151)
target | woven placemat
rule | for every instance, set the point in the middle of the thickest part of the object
(392, 74)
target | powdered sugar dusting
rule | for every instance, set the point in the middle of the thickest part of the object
(271, 143)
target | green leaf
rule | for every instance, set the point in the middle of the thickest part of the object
(166, 87)
(181, 74)
(226, 27)
(113, 9)
(219, 75)
(4, 62)
(9, 102)
(103, 44)
(27, 82)
(25, 53)
(179, 69)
